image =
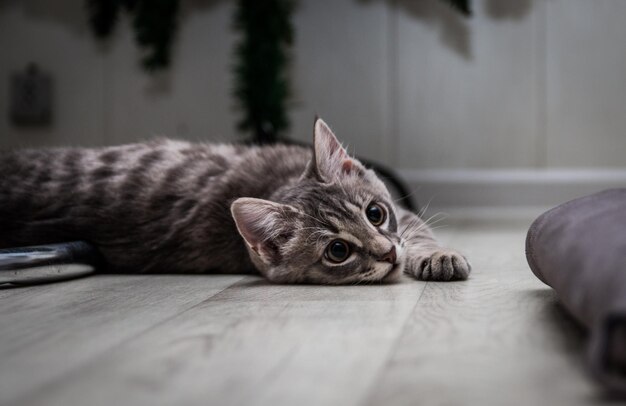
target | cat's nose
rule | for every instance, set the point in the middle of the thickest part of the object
(390, 256)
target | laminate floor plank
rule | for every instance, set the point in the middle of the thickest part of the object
(253, 343)
(498, 339)
(48, 330)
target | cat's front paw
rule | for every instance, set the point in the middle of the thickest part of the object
(442, 265)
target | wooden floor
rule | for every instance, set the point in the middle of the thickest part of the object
(498, 338)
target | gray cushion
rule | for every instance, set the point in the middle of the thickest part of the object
(579, 249)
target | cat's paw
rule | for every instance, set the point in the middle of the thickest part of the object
(442, 265)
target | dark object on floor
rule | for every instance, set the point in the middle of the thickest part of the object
(579, 249)
(391, 178)
(46, 263)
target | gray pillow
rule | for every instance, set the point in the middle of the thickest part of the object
(579, 249)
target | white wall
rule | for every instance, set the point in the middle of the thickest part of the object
(531, 89)
(102, 94)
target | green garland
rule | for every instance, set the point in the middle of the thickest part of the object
(103, 16)
(154, 23)
(463, 6)
(261, 82)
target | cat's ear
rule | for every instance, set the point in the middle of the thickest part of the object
(265, 226)
(330, 159)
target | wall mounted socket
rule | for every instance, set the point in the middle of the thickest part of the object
(31, 97)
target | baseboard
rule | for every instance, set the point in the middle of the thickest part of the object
(510, 188)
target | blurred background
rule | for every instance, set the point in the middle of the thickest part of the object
(521, 104)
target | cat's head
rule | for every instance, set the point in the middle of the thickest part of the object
(336, 225)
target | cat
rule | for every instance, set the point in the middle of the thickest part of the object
(290, 213)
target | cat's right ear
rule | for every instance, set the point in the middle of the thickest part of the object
(265, 226)
(330, 160)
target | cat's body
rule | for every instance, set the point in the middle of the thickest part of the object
(171, 206)
(161, 206)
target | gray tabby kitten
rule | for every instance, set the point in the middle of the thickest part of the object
(294, 215)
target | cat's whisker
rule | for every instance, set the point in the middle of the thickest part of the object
(433, 218)
(439, 227)
(437, 221)
(415, 226)
(423, 210)
(404, 196)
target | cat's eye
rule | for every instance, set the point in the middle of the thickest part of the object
(375, 214)
(337, 251)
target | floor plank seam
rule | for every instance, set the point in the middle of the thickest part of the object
(392, 350)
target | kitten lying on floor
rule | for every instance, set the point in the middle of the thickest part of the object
(294, 215)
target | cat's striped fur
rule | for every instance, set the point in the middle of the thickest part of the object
(173, 206)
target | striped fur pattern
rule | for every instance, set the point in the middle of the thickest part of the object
(177, 207)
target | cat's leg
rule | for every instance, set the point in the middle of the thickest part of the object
(425, 259)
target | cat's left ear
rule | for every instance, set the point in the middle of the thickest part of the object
(330, 159)
(265, 226)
